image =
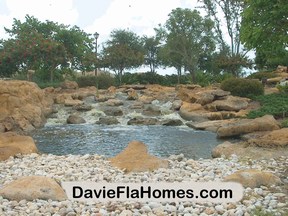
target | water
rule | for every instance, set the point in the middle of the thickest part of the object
(162, 141)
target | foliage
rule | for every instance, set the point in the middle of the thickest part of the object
(151, 48)
(273, 104)
(242, 87)
(206, 79)
(264, 28)
(102, 81)
(261, 75)
(259, 211)
(188, 38)
(284, 124)
(230, 58)
(44, 47)
(123, 51)
(283, 88)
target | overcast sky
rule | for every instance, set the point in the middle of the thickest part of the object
(101, 16)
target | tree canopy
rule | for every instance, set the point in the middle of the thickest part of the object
(264, 28)
(43, 47)
(123, 51)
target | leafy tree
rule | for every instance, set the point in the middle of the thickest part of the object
(123, 51)
(231, 58)
(188, 37)
(44, 47)
(264, 28)
(151, 47)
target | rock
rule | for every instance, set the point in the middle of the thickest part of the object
(243, 150)
(274, 80)
(172, 122)
(82, 107)
(114, 102)
(146, 99)
(112, 90)
(136, 105)
(204, 98)
(231, 103)
(142, 121)
(25, 103)
(107, 120)
(72, 102)
(61, 98)
(276, 138)
(176, 105)
(69, 85)
(132, 95)
(75, 119)
(135, 87)
(210, 125)
(33, 187)
(282, 69)
(253, 178)
(135, 158)
(151, 110)
(12, 144)
(113, 111)
(243, 126)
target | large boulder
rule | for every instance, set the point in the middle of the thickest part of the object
(113, 111)
(276, 138)
(244, 126)
(253, 178)
(12, 144)
(25, 103)
(33, 187)
(210, 125)
(114, 102)
(132, 95)
(231, 103)
(75, 119)
(67, 84)
(244, 150)
(151, 110)
(135, 158)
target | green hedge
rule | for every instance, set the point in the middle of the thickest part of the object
(272, 104)
(262, 75)
(102, 81)
(243, 87)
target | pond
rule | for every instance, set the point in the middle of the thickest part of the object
(162, 141)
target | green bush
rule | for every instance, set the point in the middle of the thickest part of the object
(262, 75)
(102, 81)
(272, 104)
(284, 123)
(243, 87)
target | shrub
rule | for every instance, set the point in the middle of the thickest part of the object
(102, 81)
(243, 87)
(273, 104)
(284, 124)
(261, 75)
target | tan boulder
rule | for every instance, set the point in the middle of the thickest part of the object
(253, 178)
(274, 80)
(135, 158)
(210, 125)
(12, 144)
(231, 103)
(276, 138)
(114, 102)
(67, 84)
(132, 94)
(244, 150)
(75, 119)
(33, 187)
(146, 99)
(112, 90)
(244, 126)
(73, 102)
(25, 102)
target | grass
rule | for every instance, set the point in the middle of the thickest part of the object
(272, 104)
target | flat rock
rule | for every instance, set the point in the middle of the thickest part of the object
(244, 126)
(142, 121)
(210, 125)
(113, 111)
(114, 102)
(253, 178)
(12, 144)
(33, 187)
(172, 122)
(135, 158)
(231, 103)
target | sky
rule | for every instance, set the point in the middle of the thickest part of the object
(102, 16)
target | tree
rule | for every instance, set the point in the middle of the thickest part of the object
(188, 37)
(123, 51)
(264, 28)
(151, 48)
(229, 11)
(44, 47)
